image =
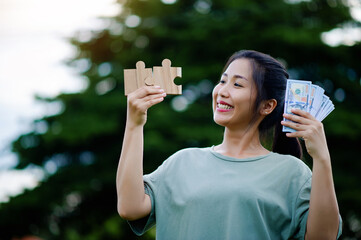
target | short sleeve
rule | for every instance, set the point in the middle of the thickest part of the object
(339, 227)
(140, 226)
(302, 208)
(151, 182)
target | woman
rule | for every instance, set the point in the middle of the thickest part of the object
(237, 189)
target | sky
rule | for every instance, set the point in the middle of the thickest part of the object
(33, 49)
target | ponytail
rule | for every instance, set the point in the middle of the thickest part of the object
(283, 144)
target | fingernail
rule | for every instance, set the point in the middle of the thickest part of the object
(156, 86)
(164, 94)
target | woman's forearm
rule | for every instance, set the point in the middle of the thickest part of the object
(323, 218)
(133, 203)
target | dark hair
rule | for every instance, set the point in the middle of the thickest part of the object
(270, 78)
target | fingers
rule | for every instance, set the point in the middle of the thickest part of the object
(139, 101)
(299, 116)
(302, 113)
(301, 121)
(151, 100)
(143, 98)
(145, 91)
(310, 130)
(298, 119)
(295, 122)
(294, 125)
(298, 134)
(304, 123)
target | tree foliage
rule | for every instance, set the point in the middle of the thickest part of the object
(80, 146)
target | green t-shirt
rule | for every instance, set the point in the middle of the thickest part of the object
(198, 193)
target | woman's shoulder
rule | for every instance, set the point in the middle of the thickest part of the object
(193, 150)
(291, 163)
(183, 157)
(190, 153)
(288, 158)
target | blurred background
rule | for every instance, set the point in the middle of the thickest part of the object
(63, 109)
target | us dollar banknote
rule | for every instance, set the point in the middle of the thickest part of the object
(308, 97)
(298, 94)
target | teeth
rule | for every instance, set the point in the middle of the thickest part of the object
(223, 106)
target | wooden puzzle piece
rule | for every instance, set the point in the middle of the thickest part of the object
(162, 76)
(136, 78)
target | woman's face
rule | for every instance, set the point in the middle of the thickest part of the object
(234, 96)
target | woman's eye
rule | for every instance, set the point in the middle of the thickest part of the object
(237, 85)
(222, 81)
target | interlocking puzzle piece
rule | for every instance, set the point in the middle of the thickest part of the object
(136, 78)
(162, 76)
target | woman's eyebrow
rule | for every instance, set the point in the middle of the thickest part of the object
(235, 76)
(239, 76)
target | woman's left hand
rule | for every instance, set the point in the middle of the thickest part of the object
(311, 130)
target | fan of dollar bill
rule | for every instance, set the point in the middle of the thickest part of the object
(308, 97)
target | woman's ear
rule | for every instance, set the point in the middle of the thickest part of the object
(267, 106)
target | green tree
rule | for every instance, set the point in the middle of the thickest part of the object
(83, 141)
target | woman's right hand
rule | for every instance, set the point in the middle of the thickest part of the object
(139, 101)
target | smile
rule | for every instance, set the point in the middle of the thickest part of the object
(223, 107)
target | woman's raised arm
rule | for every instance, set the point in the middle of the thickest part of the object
(323, 216)
(133, 203)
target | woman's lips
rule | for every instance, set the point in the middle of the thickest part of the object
(224, 107)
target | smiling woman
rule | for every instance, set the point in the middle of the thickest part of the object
(33, 48)
(237, 189)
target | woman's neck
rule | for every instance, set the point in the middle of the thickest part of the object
(241, 143)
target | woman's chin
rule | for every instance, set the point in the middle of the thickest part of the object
(220, 121)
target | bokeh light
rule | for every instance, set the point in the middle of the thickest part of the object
(132, 21)
(169, 1)
(340, 95)
(179, 103)
(104, 69)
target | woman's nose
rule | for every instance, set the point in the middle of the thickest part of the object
(223, 91)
